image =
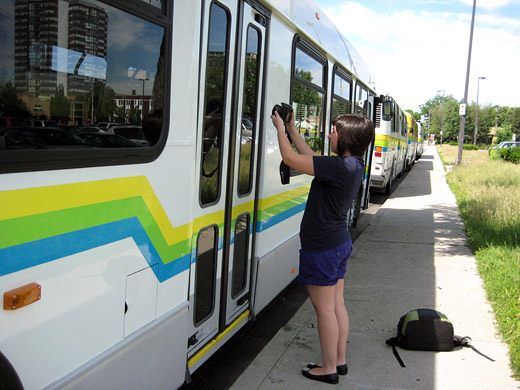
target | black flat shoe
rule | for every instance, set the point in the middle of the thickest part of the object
(342, 370)
(327, 378)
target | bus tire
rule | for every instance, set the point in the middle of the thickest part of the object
(388, 186)
(9, 379)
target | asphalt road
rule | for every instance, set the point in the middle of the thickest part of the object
(223, 368)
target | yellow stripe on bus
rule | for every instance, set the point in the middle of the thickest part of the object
(195, 358)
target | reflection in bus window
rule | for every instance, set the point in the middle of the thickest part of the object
(248, 127)
(361, 100)
(341, 100)
(307, 96)
(205, 274)
(81, 69)
(216, 61)
(240, 255)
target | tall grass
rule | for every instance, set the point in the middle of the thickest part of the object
(488, 196)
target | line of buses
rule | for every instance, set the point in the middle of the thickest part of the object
(399, 142)
(124, 265)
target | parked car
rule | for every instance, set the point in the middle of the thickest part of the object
(39, 123)
(89, 129)
(104, 140)
(107, 125)
(13, 138)
(9, 121)
(26, 137)
(508, 144)
(132, 132)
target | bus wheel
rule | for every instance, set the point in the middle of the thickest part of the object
(388, 186)
(9, 379)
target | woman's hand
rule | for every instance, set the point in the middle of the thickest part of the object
(278, 121)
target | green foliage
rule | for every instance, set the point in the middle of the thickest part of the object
(315, 143)
(504, 133)
(453, 143)
(415, 115)
(510, 154)
(104, 103)
(500, 270)
(488, 197)
(134, 116)
(442, 113)
(10, 104)
(470, 147)
(60, 107)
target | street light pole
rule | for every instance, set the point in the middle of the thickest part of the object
(476, 113)
(463, 109)
(142, 108)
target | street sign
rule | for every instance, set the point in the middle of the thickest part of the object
(462, 109)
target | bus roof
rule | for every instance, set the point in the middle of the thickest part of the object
(309, 17)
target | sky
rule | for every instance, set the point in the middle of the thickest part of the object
(419, 48)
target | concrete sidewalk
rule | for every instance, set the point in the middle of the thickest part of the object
(412, 255)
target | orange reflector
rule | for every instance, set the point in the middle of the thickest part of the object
(379, 148)
(22, 296)
(293, 271)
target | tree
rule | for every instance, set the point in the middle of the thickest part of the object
(10, 105)
(59, 107)
(443, 113)
(134, 116)
(415, 115)
(504, 134)
(105, 104)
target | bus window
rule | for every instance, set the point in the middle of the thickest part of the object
(307, 96)
(240, 257)
(361, 100)
(248, 131)
(342, 97)
(216, 76)
(205, 274)
(75, 73)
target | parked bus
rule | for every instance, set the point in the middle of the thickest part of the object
(390, 146)
(128, 267)
(413, 139)
(420, 140)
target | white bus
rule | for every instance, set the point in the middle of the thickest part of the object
(126, 265)
(420, 140)
(390, 146)
(413, 141)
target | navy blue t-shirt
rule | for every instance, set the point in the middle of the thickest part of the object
(335, 184)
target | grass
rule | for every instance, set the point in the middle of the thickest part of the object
(488, 196)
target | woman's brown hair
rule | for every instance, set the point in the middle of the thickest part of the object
(355, 133)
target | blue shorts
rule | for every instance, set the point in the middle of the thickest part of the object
(324, 268)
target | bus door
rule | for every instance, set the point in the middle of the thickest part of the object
(242, 178)
(231, 81)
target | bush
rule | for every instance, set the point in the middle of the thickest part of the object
(470, 147)
(454, 143)
(510, 154)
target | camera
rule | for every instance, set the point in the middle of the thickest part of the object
(284, 110)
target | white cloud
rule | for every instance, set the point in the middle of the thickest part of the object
(414, 54)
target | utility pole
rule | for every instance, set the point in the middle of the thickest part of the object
(462, 110)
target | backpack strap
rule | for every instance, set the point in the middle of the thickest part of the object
(393, 342)
(465, 341)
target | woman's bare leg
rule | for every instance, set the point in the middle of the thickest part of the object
(343, 322)
(323, 300)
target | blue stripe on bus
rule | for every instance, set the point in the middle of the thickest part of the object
(19, 257)
(276, 219)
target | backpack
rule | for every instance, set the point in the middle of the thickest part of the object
(427, 330)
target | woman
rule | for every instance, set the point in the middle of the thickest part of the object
(325, 240)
